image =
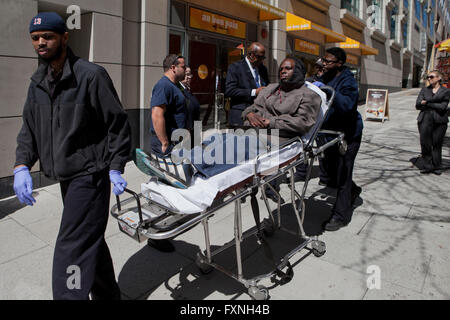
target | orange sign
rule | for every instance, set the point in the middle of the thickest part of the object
(351, 59)
(212, 22)
(307, 47)
(202, 72)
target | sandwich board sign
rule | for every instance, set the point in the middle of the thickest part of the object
(377, 105)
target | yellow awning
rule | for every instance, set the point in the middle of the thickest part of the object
(266, 11)
(353, 44)
(443, 45)
(295, 23)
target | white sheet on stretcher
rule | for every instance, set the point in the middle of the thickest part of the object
(202, 192)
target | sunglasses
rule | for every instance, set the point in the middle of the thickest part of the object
(259, 57)
(431, 77)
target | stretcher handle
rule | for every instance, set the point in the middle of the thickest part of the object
(136, 197)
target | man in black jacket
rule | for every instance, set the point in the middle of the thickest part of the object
(74, 124)
(245, 79)
(343, 116)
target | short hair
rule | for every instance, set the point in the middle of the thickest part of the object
(339, 53)
(171, 60)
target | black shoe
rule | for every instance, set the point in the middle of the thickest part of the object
(356, 191)
(298, 178)
(161, 245)
(334, 224)
(426, 171)
(437, 171)
(270, 195)
(331, 185)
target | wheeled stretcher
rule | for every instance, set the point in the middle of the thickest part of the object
(162, 211)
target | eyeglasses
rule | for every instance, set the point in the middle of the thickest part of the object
(431, 77)
(328, 61)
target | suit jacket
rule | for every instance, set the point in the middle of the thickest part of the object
(435, 110)
(240, 83)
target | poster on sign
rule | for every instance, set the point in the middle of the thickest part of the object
(377, 105)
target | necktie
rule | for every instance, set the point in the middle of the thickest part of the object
(257, 78)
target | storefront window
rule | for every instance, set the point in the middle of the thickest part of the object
(424, 17)
(432, 23)
(252, 32)
(406, 4)
(374, 12)
(405, 34)
(178, 14)
(394, 15)
(176, 43)
(417, 8)
(351, 5)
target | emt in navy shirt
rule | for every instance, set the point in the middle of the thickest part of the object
(168, 105)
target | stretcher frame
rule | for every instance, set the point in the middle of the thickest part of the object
(247, 187)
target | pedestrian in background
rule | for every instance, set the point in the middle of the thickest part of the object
(74, 124)
(245, 79)
(192, 104)
(432, 122)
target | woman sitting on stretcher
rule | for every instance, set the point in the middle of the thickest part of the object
(288, 105)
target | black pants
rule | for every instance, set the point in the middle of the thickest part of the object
(82, 262)
(431, 139)
(235, 117)
(339, 168)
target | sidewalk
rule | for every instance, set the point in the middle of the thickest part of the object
(400, 228)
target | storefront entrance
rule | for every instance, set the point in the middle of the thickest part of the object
(209, 59)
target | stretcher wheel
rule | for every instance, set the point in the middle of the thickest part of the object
(343, 147)
(258, 293)
(203, 267)
(318, 253)
(318, 248)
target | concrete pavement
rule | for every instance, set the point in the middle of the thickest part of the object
(400, 231)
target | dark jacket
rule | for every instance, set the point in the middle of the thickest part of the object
(343, 115)
(436, 107)
(80, 129)
(240, 83)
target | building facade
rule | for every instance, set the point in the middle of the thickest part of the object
(390, 45)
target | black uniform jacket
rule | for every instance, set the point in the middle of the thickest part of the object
(79, 129)
(435, 109)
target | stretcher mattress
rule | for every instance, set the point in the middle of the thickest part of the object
(202, 192)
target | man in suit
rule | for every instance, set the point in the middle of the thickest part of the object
(245, 80)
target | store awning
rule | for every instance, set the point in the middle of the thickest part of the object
(296, 24)
(353, 44)
(266, 11)
(443, 45)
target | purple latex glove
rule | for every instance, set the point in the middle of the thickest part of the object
(119, 183)
(318, 84)
(23, 185)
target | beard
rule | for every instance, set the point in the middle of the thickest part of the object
(55, 55)
(329, 75)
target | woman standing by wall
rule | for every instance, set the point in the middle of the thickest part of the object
(432, 121)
